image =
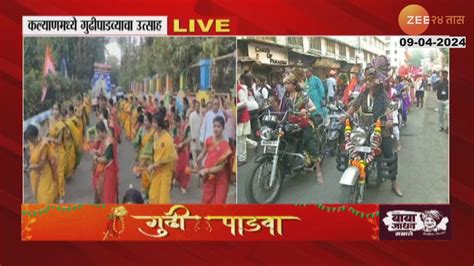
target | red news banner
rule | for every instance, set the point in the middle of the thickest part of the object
(199, 222)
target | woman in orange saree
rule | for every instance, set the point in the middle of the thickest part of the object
(217, 167)
(105, 173)
(56, 139)
(182, 139)
(42, 168)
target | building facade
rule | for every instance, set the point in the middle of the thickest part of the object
(394, 52)
(272, 54)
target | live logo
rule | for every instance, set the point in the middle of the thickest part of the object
(201, 26)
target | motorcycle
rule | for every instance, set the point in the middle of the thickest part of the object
(280, 141)
(361, 163)
(335, 129)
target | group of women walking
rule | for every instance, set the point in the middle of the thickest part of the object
(55, 154)
(163, 138)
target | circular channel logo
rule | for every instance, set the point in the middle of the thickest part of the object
(414, 19)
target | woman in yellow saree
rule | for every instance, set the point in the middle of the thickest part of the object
(81, 103)
(136, 111)
(164, 162)
(127, 118)
(88, 103)
(70, 148)
(56, 140)
(42, 168)
(120, 110)
(143, 143)
(74, 123)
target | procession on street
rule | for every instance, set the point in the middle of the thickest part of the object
(153, 140)
(341, 132)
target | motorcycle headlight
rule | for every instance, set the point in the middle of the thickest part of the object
(266, 133)
(358, 136)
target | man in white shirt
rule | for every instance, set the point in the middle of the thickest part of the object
(420, 91)
(207, 127)
(331, 83)
(253, 108)
(195, 120)
(263, 90)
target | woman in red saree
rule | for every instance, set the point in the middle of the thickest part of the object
(105, 172)
(182, 138)
(217, 167)
(150, 107)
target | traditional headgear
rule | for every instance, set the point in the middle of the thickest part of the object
(290, 78)
(378, 69)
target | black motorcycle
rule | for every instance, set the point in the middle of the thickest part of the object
(334, 128)
(280, 141)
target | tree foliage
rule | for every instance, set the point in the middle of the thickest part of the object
(145, 57)
(416, 57)
(80, 54)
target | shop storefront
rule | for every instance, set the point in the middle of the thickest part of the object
(264, 60)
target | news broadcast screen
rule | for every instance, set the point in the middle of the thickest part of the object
(237, 132)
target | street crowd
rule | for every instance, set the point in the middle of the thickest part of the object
(173, 143)
(368, 92)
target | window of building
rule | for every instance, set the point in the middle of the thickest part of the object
(295, 41)
(315, 43)
(352, 52)
(342, 50)
(331, 46)
(266, 38)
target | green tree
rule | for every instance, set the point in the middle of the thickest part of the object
(145, 57)
(114, 74)
(445, 57)
(416, 57)
(80, 55)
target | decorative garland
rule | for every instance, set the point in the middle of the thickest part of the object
(352, 210)
(115, 225)
(45, 209)
(370, 216)
(355, 159)
(26, 226)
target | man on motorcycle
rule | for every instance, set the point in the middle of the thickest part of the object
(302, 104)
(374, 103)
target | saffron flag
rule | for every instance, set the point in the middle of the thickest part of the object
(48, 67)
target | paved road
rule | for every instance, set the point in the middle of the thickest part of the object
(422, 174)
(79, 186)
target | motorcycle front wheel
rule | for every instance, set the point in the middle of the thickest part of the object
(347, 194)
(257, 187)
